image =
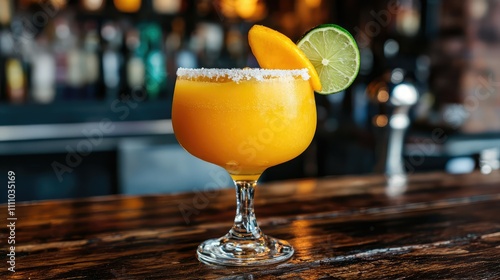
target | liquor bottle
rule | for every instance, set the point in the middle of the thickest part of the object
(154, 59)
(60, 50)
(43, 74)
(112, 59)
(75, 78)
(76, 73)
(15, 80)
(178, 49)
(16, 54)
(5, 12)
(135, 69)
(92, 62)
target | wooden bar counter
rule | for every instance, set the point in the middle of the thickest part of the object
(443, 227)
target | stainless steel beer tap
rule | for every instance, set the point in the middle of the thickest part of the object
(394, 97)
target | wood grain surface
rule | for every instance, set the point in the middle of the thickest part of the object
(443, 227)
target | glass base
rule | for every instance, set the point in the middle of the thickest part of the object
(231, 251)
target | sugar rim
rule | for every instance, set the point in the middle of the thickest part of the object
(237, 74)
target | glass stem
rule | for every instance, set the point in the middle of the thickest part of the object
(245, 224)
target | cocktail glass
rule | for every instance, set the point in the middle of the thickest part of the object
(244, 120)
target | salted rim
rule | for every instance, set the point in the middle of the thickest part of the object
(237, 74)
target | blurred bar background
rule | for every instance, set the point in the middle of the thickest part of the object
(86, 89)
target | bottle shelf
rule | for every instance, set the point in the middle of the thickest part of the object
(84, 111)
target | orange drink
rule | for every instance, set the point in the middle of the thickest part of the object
(244, 120)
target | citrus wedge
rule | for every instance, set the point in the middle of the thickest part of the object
(274, 50)
(335, 55)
